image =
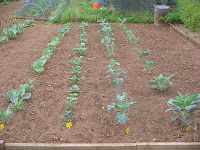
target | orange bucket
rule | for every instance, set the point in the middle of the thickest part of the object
(96, 5)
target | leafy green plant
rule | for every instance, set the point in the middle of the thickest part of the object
(149, 65)
(74, 89)
(189, 13)
(161, 83)
(68, 116)
(3, 39)
(17, 97)
(38, 66)
(114, 69)
(174, 17)
(75, 79)
(28, 23)
(185, 106)
(10, 33)
(5, 2)
(74, 94)
(121, 107)
(71, 102)
(4, 115)
(18, 28)
(129, 33)
(107, 40)
(80, 51)
(144, 55)
(77, 61)
(110, 49)
(76, 70)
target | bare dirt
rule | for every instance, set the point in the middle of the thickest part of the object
(7, 13)
(40, 121)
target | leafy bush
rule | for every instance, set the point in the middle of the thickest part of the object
(190, 14)
(161, 83)
(185, 106)
(174, 17)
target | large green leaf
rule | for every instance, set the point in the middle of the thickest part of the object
(26, 96)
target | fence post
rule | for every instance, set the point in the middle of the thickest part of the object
(2, 145)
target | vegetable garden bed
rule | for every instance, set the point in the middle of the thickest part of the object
(40, 121)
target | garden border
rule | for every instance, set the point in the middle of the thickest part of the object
(185, 35)
(102, 146)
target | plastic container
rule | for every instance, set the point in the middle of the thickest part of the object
(96, 5)
(160, 11)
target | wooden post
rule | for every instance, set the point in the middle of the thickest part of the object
(2, 145)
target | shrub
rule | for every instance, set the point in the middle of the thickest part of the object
(190, 14)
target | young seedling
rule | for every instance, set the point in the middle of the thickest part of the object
(110, 49)
(117, 83)
(129, 33)
(185, 106)
(113, 68)
(4, 115)
(149, 65)
(161, 83)
(121, 107)
(107, 39)
(71, 102)
(68, 115)
(144, 55)
(77, 61)
(80, 51)
(76, 70)
(75, 79)
(74, 89)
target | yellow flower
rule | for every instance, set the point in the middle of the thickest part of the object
(127, 130)
(1, 127)
(188, 128)
(68, 125)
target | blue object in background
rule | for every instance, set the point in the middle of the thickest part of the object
(101, 1)
(96, 1)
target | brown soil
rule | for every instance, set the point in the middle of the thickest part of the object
(10, 9)
(41, 121)
(7, 11)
